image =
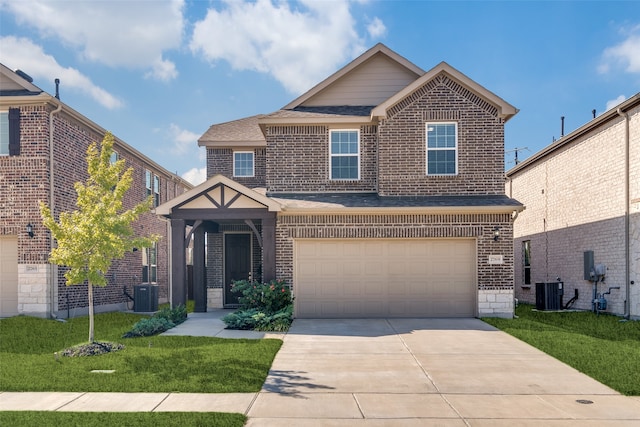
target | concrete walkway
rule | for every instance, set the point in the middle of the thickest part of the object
(379, 372)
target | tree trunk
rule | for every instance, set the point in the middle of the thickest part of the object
(91, 335)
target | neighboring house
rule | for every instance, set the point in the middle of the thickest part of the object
(582, 194)
(43, 144)
(377, 193)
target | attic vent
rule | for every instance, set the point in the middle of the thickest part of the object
(441, 115)
(24, 75)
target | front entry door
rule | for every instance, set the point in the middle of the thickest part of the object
(237, 263)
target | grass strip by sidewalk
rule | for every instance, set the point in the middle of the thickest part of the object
(129, 419)
(600, 346)
(147, 364)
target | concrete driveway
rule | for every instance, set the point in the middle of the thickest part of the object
(423, 372)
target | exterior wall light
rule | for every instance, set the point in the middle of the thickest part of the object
(30, 230)
(496, 234)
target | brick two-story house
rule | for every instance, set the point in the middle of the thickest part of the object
(377, 193)
(43, 144)
(583, 197)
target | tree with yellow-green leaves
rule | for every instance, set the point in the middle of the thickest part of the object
(100, 230)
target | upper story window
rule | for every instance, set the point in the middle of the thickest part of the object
(4, 133)
(152, 185)
(243, 164)
(345, 154)
(442, 148)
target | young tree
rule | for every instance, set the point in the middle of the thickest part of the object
(99, 231)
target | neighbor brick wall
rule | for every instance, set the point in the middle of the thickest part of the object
(402, 147)
(24, 180)
(575, 202)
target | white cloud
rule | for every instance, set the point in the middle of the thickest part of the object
(625, 54)
(615, 102)
(130, 34)
(22, 53)
(196, 175)
(376, 28)
(182, 139)
(297, 43)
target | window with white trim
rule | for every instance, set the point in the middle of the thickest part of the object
(344, 148)
(243, 164)
(442, 148)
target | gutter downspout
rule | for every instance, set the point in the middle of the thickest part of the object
(52, 270)
(627, 243)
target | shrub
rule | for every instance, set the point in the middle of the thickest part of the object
(268, 297)
(263, 306)
(163, 320)
(254, 319)
(175, 316)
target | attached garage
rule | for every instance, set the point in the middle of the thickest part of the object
(8, 276)
(341, 278)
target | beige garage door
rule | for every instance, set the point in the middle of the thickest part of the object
(8, 276)
(385, 278)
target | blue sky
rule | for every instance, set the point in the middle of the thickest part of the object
(159, 73)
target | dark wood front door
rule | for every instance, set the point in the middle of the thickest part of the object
(237, 263)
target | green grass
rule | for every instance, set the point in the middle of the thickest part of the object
(129, 419)
(147, 364)
(602, 346)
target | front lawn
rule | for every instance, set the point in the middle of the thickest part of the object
(129, 419)
(601, 346)
(29, 362)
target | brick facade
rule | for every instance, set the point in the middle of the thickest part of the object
(402, 157)
(575, 202)
(25, 180)
(220, 161)
(298, 160)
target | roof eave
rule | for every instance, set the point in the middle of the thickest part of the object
(231, 144)
(569, 138)
(290, 210)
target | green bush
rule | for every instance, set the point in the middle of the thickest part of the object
(263, 306)
(175, 316)
(149, 326)
(163, 320)
(268, 297)
(254, 319)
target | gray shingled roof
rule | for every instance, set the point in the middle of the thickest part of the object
(372, 200)
(320, 112)
(242, 130)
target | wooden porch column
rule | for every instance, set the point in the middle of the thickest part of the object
(199, 272)
(178, 264)
(269, 248)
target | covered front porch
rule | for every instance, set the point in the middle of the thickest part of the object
(229, 232)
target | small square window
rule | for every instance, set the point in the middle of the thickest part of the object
(243, 164)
